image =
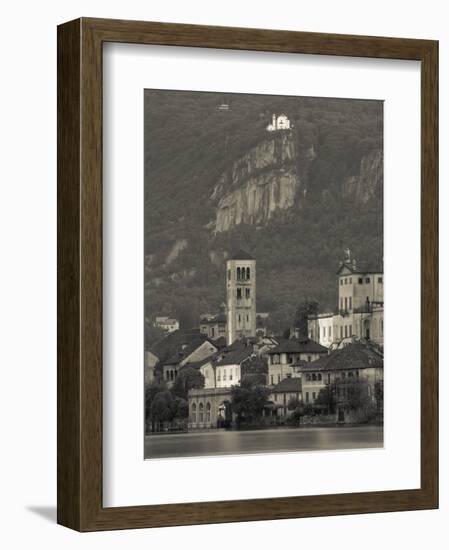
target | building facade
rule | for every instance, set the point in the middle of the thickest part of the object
(209, 408)
(279, 122)
(167, 324)
(150, 362)
(240, 297)
(283, 393)
(285, 359)
(355, 363)
(214, 327)
(360, 308)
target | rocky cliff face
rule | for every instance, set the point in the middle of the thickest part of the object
(364, 185)
(259, 185)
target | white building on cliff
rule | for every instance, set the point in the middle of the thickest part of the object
(279, 122)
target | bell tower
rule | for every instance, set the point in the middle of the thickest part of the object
(240, 296)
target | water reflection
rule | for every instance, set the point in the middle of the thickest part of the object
(221, 442)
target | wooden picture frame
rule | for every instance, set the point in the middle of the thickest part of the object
(80, 504)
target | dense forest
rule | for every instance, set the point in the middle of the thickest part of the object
(204, 151)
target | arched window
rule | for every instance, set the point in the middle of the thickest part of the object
(171, 375)
(193, 412)
(207, 412)
(238, 274)
(167, 375)
(248, 273)
(313, 376)
(319, 376)
(201, 415)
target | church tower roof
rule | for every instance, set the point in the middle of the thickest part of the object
(240, 255)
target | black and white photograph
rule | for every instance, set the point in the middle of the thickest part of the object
(203, 203)
(264, 282)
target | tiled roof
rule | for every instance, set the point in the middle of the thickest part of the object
(235, 357)
(353, 356)
(288, 385)
(242, 343)
(297, 346)
(200, 363)
(178, 345)
(220, 342)
(362, 267)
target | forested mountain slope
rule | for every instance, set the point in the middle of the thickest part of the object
(216, 180)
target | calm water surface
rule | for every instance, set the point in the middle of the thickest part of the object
(221, 442)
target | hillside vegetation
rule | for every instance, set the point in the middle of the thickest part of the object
(203, 164)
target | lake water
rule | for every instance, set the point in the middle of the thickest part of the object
(221, 442)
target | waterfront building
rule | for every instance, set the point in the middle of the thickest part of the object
(282, 393)
(356, 362)
(209, 408)
(284, 359)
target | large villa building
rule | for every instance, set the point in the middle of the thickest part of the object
(360, 308)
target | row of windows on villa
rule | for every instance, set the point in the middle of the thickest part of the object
(328, 331)
(346, 303)
(199, 412)
(242, 273)
(225, 374)
(283, 397)
(317, 376)
(345, 331)
(307, 396)
(240, 294)
(361, 280)
(276, 359)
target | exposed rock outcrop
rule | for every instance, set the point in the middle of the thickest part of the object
(368, 182)
(258, 185)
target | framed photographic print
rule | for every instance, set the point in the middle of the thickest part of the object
(247, 274)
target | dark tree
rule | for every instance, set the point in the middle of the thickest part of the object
(153, 335)
(161, 410)
(304, 309)
(248, 400)
(326, 399)
(179, 408)
(355, 394)
(188, 378)
(379, 396)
